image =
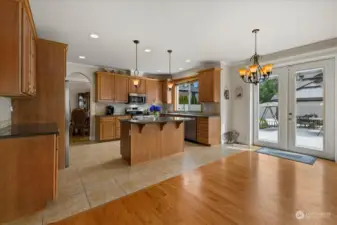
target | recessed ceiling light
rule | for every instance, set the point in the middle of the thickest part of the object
(81, 57)
(188, 60)
(158, 70)
(93, 35)
(147, 50)
(181, 68)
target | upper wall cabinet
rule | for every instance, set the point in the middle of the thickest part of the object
(140, 89)
(167, 95)
(154, 91)
(111, 87)
(209, 85)
(105, 86)
(121, 89)
(17, 44)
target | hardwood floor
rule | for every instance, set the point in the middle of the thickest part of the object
(247, 188)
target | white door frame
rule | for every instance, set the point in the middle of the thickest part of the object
(329, 109)
(283, 143)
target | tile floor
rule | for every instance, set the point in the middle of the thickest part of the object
(97, 175)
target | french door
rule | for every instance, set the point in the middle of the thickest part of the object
(294, 110)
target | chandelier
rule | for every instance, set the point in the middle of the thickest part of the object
(256, 74)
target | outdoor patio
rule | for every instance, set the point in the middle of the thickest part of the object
(310, 138)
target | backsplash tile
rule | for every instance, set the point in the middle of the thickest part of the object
(5, 112)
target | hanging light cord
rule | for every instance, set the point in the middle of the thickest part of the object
(136, 72)
(170, 51)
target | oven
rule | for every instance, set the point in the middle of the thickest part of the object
(138, 99)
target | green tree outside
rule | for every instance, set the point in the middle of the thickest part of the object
(268, 89)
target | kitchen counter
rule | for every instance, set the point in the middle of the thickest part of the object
(27, 130)
(117, 114)
(158, 120)
(192, 114)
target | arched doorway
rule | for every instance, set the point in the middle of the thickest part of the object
(79, 104)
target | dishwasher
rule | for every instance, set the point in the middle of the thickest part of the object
(191, 129)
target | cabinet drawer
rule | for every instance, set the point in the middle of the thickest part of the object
(107, 119)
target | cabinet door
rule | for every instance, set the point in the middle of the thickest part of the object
(121, 88)
(141, 87)
(159, 95)
(107, 130)
(151, 91)
(105, 84)
(166, 93)
(26, 86)
(205, 86)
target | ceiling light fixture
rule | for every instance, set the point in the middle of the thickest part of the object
(136, 72)
(81, 57)
(187, 60)
(147, 50)
(170, 82)
(181, 69)
(256, 74)
(94, 36)
(159, 71)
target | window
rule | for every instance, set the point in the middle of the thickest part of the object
(187, 95)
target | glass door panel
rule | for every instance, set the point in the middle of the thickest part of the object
(311, 109)
(268, 110)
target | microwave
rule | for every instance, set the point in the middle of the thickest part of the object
(138, 99)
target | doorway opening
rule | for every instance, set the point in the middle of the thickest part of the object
(79, 107)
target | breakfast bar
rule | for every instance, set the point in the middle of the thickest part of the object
(148, 139)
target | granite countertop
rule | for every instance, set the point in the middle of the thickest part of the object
(158, 120)
(27, 130)
(194, 114)
(117, 114)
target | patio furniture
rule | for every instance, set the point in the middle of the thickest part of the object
(317, 122)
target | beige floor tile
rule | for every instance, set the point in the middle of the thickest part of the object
(108, 191)
(35, 219)
(64, 207)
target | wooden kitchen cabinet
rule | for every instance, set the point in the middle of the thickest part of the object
(208, 130)
(121, 89)
(151, 91)
(108, 127)
(48, 105)
(209, 85)
(105, 85)
(166, 93)
(17, 44)
(141, 89)
(28, 175)
(118, 125)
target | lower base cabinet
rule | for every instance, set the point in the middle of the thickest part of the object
(28, 175)
(208, 130)
(108, 127)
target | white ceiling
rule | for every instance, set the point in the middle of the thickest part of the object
(200, 30)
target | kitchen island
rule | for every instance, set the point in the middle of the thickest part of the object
(148, 139)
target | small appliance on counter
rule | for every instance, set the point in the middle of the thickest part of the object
(134, 110)
(110, 110)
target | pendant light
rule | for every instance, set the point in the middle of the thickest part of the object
(170, 82)
(136, 72)
(255, 74)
